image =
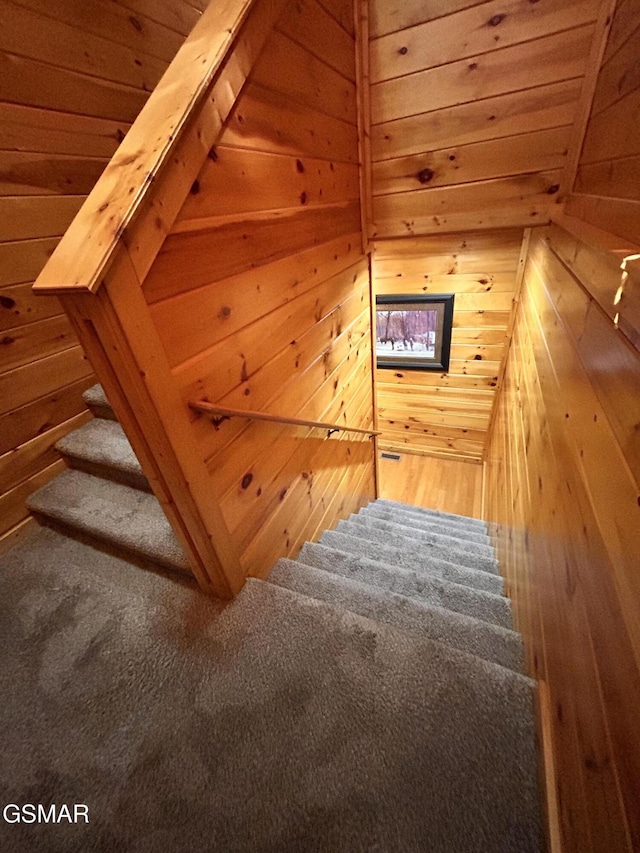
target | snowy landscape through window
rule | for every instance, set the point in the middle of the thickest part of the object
(414, 332)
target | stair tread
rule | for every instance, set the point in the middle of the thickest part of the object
(130, 519)
(342, 555)
(428, 523)
(476, 523)
(96, 400)
(103, 444)
(417, 534)
(495, 644)
(419, 550)
(427, 561)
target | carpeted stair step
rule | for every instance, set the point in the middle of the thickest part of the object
(101, 448)
(450, 539)
(473, 636)
(113, 514)
(342, 555)
(419, 548)
(462, 520)
(420, 552)
(411, 520)
(96, 400)
(274, 723)
(427, 563)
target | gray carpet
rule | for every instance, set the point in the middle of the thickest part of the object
(441, 547)
(368, 697)
(432, 514)
(411, 520)
(398, 529)
(275, 723)
(101, 448)
(126, 518)
(416, 615)
(385, 567)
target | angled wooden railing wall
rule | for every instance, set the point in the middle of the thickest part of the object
(228, 259)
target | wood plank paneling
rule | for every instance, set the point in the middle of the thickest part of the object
(401, 14)
(114, 22)
(555, 57)
(22, 218)
(472, 107)
(21, 32)
(432, 43)
(245, 298)
(285, 183)
(449, 413)
(260, 293)
(24, 344)
(270, 120)
(523, 200)
(306, 79)
(312, 26)
(42, 414)
(73, 77)
(193, 258)
(27, 128)
(25, 173)
(542, 150)
(562, 481)
(501, 116)
(606, 191)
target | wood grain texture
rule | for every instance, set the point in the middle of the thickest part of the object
(129, 182)
(448, 413)
(268, 119)
(401, 14)
(598, 44)
(562, 481)
(472, 111)
(74, 77)
(448, 485)
(555, 57)
(521, 154)
(260, 295)
(506, 115)
(483, 28)
(606, 190)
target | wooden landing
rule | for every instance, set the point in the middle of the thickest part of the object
(445, 484)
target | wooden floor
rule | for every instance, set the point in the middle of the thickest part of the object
(428, 481)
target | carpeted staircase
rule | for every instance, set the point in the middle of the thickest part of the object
(105, 497)
(368, 697)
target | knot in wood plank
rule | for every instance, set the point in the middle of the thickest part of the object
(425, 175)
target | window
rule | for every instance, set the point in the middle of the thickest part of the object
(414, 332)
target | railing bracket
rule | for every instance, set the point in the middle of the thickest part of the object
(217, 422)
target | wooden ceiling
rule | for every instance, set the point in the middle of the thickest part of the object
(472, 110)
(477, 115)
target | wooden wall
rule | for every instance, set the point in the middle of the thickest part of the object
(472, 106)
(72, 79)
(449, 413)
(606, 192)
(563, 483)
(260, 293)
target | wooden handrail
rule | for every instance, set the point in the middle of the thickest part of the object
(206, 408)
(90, 243)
